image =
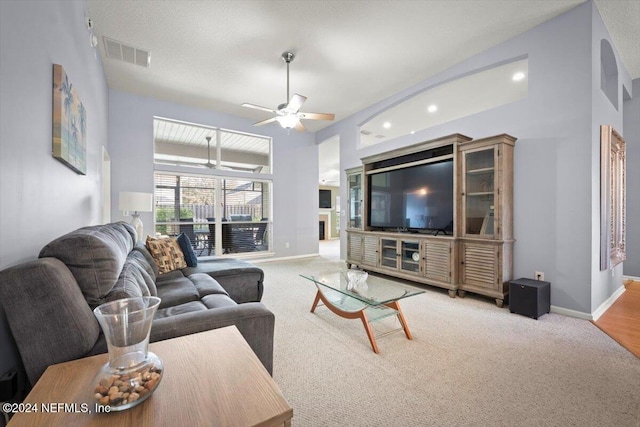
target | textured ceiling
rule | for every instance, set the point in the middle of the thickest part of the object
(349, 54)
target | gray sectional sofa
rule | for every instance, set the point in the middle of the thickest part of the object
(49, 301)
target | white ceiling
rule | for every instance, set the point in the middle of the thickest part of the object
(349, 54)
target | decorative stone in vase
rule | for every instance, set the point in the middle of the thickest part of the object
(133, 373)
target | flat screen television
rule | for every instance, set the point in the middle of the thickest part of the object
(325, 199)
(416, 197)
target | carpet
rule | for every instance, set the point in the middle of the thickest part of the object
(470, 363)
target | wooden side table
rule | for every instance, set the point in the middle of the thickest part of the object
(212, 378)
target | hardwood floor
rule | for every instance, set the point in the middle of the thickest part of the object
(622, 320)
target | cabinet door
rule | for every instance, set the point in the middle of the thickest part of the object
(480, 265)
(354, 247)
(410, 256)
(354, 182)
(389, 253)
(437, 260)
(370, 250)
(479, 192)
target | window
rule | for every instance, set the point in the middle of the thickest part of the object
(187, 204)
(195, 146)
(214, 197)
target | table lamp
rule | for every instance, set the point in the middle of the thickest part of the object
(135, 202)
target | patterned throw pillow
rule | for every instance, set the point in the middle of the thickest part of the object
(166, 253)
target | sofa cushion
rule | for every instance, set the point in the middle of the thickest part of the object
(141, 253)
(188, 307)
(206, 285)
(176, 291)
(218, 301)
(141, 264)
(167, 254)
(241, 279)
(187, 249)
(95, 255)
(134, 281)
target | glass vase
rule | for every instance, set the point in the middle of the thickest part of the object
(133, 373)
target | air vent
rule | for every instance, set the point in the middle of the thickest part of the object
(366, 132)
(120, 51)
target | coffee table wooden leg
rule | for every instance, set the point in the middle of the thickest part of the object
(348, 315)
(403, 321)
(316, 301)
(367, 328)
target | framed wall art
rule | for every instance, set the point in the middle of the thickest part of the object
(612, 198)
(69, 123)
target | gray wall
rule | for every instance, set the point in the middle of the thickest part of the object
(603, 112)
(632, 138)
(295, 169)
(40, 198)
(553, 178)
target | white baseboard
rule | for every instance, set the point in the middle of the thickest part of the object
(284, 258)
(596, 314)
(634, 278)
(571, 313)
(606, 304)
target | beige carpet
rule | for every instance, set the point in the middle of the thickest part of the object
(470, 363)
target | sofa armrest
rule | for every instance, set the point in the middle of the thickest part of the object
(254, 321)
(49, 318)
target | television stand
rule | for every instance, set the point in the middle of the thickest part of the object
(474, 253)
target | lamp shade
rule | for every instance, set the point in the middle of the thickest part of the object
(135, 202)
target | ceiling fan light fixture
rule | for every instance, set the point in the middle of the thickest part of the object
(288, 114)
(287, 121)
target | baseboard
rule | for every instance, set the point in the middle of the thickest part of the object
(596, 314)
(571, 313)
(285, 258)
(606, 304)
(634, 278)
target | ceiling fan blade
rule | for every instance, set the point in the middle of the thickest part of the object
(316, 116)
(257, 107)
(296, 102)
(299, 127)
(265, 122)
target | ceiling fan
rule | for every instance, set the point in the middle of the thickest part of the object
(289, 114)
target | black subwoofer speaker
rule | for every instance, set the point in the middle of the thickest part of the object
(529, 297)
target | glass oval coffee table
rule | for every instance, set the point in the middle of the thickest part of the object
(375, 299)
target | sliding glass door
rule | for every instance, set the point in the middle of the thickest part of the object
(219, 215)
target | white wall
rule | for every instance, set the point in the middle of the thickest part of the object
(553, 195)
(295, 169)
(41, 198)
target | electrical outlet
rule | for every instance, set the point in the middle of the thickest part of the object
(286, 245)
(539, 275)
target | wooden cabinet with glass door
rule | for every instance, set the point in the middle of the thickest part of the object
(486, 216)
(354, 205)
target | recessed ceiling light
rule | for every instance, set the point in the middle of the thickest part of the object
(386, 125)
(518, 76)
(412, 132)
(432, 108)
